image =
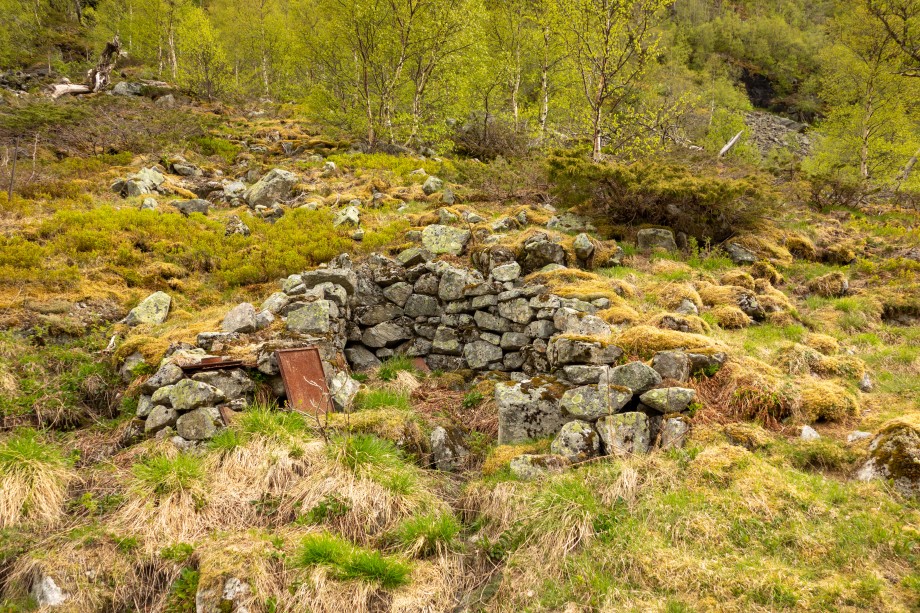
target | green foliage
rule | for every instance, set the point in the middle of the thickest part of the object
(705, 206)
(381, 398)
(23, 120)
(348, 562)
(472, 399)
(428, 534)
(180, 552)
(161, 475)
(181, 597)
(362, 451)
(212, 145)
(26, 453)
(330, 507)
(392, 366)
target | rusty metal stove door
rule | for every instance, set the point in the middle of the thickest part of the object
(304, 380)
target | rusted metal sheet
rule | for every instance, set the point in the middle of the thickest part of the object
(212, 363)
(304, 380)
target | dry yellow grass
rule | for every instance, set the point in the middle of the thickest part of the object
(826, 401)
(739, 278)
(730, 317)
(34, 477)
(646, 340)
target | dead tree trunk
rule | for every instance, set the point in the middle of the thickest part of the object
(97, 78)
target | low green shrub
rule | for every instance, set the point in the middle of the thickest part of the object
(697, 202)
(348, 562)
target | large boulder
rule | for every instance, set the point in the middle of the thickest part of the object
(650, 239)
(439, 239)
(189, 394)
(528, 467)
(576, 441)
(386, 334)
(195, 205)
(152, 310)
(200, 424)
(538, 251)
(625, 433)
(563, 350)
(674, 365)
(160, 417)
(480, 354)
(361, 358)
(311, 318)
(636, 376)
(233, 383)
(345, 277)
(240, 319)
(420, 305)
(894, 454)
(448, 449)
(591, 402)
(273, 187)
(432, 184)
(528, 410)
(144, 181)
(668, 399)
(574, 322)
(168, 374)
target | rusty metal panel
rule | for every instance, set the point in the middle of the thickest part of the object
(304, 380)
(212, 363)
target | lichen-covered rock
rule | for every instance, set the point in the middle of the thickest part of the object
(144, 406)
(152, 310)
(440, 239)
(448, 450)
(674, 432)
(46, 592)
(342, 390)
(385, 335)
(376, 314)
(276, 302)
(591, 402)
(232, 383)
(398, 293)
(584, 374)
(674, 365)
(480, 354)
(739, 255)
(636, 376)
(528, 410)
(189, 394)
(200, 424)
(506, 272)
(349, 216)
(432, 184)
(517, 310)
(655, 238)
(538, 252)
(583, 247)
(668, 399)
(360, 358)
(240, 319)
(453, 281)
(706, 364)
(491, 323)
(311, 318)
(168, 374)
(577, 441)
(563, 350)
(161, 396)
(160, 417)
(625, 433)
(574, 322)
(420, 305)
(528, 467)
(276, 185)
(447, 341)
(894, 454)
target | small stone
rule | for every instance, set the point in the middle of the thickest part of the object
(674, 432)
(46, 592)
(189, 394)
(398, 293)
(517, 310)
(152, 310)
(274, 303)
(432, 184)
(161, 396)
(673, 365)
(858, 435)
(168, 374)
(668, 399)
(583, 247)
(577, 441)
(361, 359)
(241, 319)
(159, 418)
(200, 424)
(440, 239)
(584, 374)
(342, 390)
(739, 255)
(513, 341)
(636, 376)
(350, 216)
(591, 402)
(480, 354)
(447, 449)
(527, 411)
(144, 406)
(385, 334)
(528, 467)
(312, 318)
(506, 272)
(625, 433)
(865, 383)
(808, 433)
(649, 239)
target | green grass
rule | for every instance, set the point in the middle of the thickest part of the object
(162, 475)
(348, 562)
(392, 366)
(25, 451)
(382, 398)
(428, 534)
(362, 451)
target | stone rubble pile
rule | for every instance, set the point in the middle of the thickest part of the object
(561, 374)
